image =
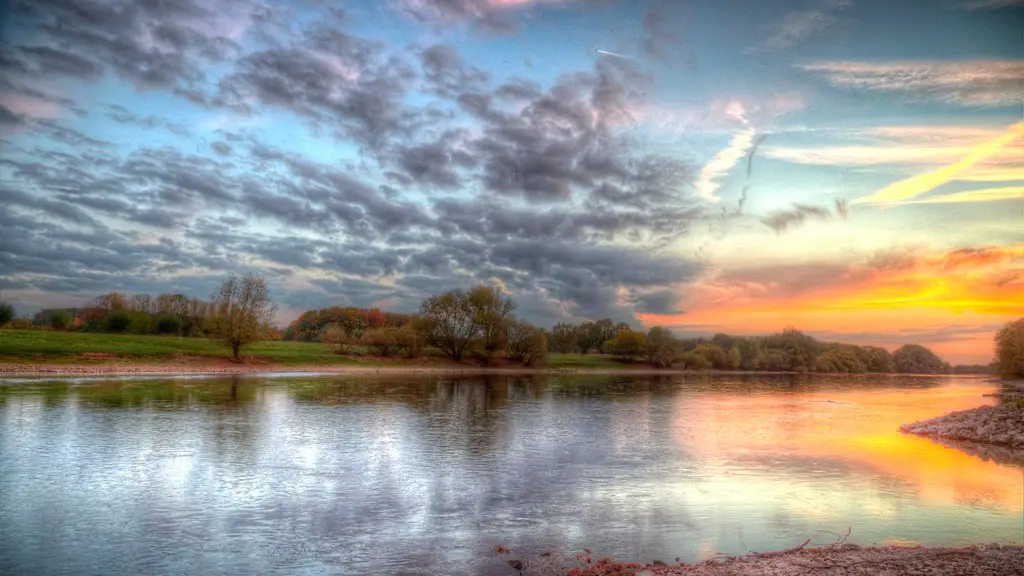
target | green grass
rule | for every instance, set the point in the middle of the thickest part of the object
(47, 346)
(27, 346)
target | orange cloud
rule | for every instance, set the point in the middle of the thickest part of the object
(958, 295)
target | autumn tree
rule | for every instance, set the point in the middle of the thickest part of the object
(526, 343)
(1010, 349)
(242, 311)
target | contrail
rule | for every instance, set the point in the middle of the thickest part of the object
(612, 54)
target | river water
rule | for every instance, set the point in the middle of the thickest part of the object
(425, 475)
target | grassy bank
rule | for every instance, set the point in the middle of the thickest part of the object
(50, 347)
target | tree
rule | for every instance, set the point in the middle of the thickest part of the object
(694, 360)
(1010, 349)
(626, 345)
(6, 313)
(242, 311)
(877, 359)
(449, 321)
(167, 324)
(491, 313)
(916, 359)
(526, 343)
(564, 338)
(59, 319)
(117, 320)
(662, 347)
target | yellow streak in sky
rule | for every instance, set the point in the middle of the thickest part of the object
(986, 195)
(917, 185)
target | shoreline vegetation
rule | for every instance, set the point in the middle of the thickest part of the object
(840, 558)
(475, 327)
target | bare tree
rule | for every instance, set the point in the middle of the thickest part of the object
(242, 311)
(449, 321)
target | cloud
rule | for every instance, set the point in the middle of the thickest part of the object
(782, 220)
(912, 288)
(724, 161)
(975, 83)
(799, 25)
(493, 16)
(988, 4)
(985, 195)
(922, 183)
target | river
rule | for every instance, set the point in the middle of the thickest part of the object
(425, 475)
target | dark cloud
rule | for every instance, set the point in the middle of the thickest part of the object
(531, 186)
(656, 302)
(46, 60)
(221, 148)
(447, 73)
(782, 220)
(483, 14)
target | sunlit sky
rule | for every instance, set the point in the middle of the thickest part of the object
(854, 169)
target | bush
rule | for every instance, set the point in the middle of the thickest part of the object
(22, 324)
(383, 340)
(6, 313)
(662, 347)
(694, 360)
(526, 344)
(117, 321)
(141, 323)
(337, 339)
(626, 345)
(409, 341)
(168, 324)
(59, 320)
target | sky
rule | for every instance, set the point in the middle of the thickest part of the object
(850, 168)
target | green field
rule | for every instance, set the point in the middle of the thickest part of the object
(44, 346)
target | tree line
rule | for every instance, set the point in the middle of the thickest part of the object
(480, 323)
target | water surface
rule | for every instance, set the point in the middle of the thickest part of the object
(403, 475)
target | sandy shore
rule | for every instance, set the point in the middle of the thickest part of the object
(846, 560)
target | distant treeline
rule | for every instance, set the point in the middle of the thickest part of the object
(480, 323)
(116, 312)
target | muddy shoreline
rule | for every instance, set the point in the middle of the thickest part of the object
(845, 559)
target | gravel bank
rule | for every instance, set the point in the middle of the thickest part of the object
(846, 560)
(1001, 425)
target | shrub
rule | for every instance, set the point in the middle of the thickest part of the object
(117, 321)
(337, 339)
(626, 345)
(6, 313)
(141, 322)
(383, 340)
(22, 324)
(59, 320)
(409, 341)
(168, 324)
(694, 360)
(526, 344)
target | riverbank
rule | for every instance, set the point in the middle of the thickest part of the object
(1001, 425)
(846, 560)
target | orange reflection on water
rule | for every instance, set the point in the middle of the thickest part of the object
(857, 428)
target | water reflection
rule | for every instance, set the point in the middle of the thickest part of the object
(389, 475)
